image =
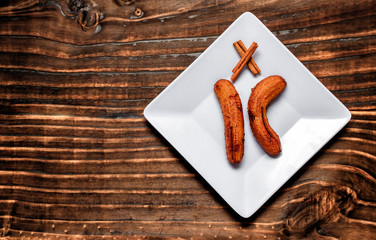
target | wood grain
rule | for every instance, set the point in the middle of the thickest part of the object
(79, 160)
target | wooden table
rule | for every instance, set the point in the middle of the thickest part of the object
(79, 160)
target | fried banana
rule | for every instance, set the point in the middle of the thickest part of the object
(262, 94)
(232, 111)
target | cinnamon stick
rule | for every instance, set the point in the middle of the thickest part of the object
(243, 61)
(247, 55)
(251, 64)
(241, 52)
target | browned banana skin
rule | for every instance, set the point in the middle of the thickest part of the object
(232, 111)
(264, 92)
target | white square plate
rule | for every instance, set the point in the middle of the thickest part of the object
(305, 116)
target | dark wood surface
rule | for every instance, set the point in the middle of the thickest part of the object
(79, 160)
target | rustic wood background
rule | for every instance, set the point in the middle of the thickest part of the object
(79, 160)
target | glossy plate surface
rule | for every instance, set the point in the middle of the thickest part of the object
(305, 116)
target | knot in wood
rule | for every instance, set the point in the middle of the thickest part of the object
(71, 8)
(75, 5)
(88, 19)
(322, 206)
(85, 12)
(138, 13)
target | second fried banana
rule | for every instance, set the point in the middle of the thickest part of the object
(264, 92)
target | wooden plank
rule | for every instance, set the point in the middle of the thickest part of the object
(315, 54)
(79, 160)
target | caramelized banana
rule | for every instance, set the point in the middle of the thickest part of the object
(265, 91)
(232, 111)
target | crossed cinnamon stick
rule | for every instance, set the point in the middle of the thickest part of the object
(246, 58)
